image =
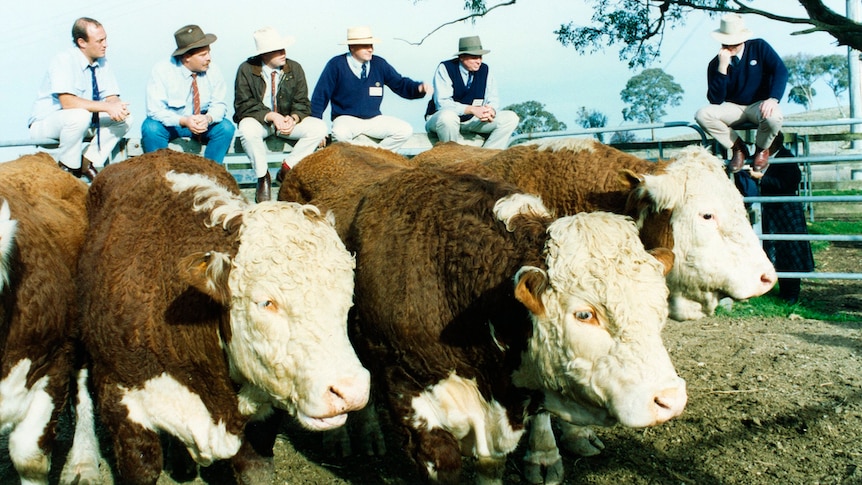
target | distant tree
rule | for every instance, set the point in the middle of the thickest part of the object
(647, 95)
(534, 118)
(802, 72)
(836, 74)
(592, 119)
(626, 136)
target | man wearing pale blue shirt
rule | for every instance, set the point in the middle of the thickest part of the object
(186, 97)
(80, 97)
(466, 101)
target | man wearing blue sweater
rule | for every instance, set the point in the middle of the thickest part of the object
(745, 82)
(353, 84)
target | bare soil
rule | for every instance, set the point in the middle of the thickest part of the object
(771, 401)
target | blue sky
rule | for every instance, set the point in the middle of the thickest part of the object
(525, 56)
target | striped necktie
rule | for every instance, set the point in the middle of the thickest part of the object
(364, 71)
(274, 102)
(94, 122)
(196, 95)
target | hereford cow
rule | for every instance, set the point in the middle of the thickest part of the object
(688, 204)
(201, 311)
(335, 177)
(475, 309)
(42, 224)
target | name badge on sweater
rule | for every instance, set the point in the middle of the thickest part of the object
(478, 101)
(375, 91)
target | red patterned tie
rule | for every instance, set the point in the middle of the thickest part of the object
(196, 96)
(273, 89)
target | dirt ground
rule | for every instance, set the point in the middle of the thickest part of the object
(772, 401)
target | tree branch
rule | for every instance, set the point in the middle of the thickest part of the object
(467, 17)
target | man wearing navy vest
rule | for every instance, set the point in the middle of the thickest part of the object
(466, 101)
(353, 84)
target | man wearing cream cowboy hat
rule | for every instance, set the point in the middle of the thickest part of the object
(271, 98)
(745, 82)
(466, 101)
(186, 97)
(353, 83)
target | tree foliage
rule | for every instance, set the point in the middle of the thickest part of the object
(592, 119)
(804, 70)
(647, 95)
(638, 26)
(534, 118)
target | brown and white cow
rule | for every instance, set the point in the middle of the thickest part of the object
(475, 308)
(687, 204)
(42, 224)
(201, 311)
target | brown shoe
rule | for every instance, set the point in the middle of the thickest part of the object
(279, 177)
(740, 153)
(74, 171)
(88, 171)
(761, 159)
(264, 187)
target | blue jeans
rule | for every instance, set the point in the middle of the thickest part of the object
(155, 136)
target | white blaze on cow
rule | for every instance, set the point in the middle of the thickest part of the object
(7, 234)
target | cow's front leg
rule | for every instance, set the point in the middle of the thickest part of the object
(580, 440)
(542, 462)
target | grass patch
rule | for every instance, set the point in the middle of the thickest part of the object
(770, 305)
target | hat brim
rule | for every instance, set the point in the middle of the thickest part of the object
(363, 41)
(732, 39)
(207, 40)
(476, 52)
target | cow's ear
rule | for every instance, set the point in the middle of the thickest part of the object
(208, 272)
(630, 179)
(665, 257)
(530, 283)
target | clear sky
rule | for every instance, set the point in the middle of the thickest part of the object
(525, 56)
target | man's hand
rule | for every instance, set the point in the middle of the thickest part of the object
(767, 107)
(197, 124)
(118, 111)
(484, 113)
(283, 125)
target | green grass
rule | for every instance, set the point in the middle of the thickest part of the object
(770, 305)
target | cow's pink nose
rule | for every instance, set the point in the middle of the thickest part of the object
(349, 394)
(669, 403)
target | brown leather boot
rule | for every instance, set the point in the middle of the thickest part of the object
(264, 186)
(761, 159)
(88, 171)
(740, 153)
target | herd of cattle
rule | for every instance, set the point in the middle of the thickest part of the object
(473, 293)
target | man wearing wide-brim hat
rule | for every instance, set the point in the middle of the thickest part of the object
(352, 86)
(271, 98)
(745, 82)
(466, 99)
(186, 97)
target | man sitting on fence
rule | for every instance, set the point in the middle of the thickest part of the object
(271, 97)
(186, 98)
(79, 97)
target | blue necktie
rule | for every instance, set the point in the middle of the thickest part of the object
(364, 73)
(94, 123)
(469, 80)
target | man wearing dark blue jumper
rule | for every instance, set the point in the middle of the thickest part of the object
(353, 84)
(746, 80)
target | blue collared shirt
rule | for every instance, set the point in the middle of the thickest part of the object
(169, 93)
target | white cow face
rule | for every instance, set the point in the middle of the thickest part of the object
(717, 253)
(290, 287)
(8, 228)
(596, 350)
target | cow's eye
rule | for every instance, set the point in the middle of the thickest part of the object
(267, 305)
(586, 316)
(707, 217)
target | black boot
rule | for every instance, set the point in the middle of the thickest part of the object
(264, 185)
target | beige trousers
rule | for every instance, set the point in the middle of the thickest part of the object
(718, 120)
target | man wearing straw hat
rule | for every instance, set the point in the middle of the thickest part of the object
(746, 80)
(353, 83)
(271, 98)
(466, 101)
(186, 97)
